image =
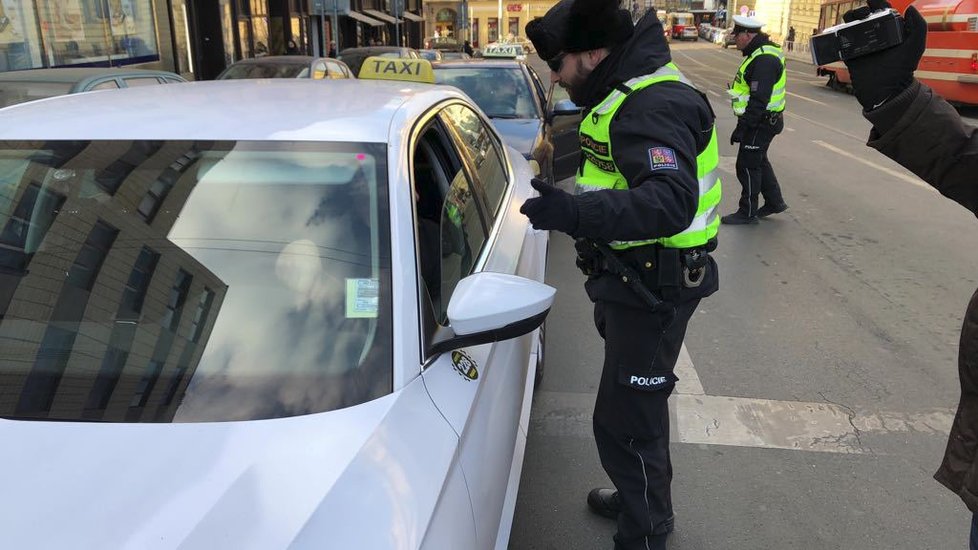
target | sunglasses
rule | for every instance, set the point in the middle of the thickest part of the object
(556, 63)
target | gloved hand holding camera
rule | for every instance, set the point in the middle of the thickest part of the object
(880, 76)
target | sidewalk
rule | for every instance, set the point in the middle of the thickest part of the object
(798, 52)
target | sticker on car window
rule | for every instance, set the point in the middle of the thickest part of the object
(362, 298)
(465, 365)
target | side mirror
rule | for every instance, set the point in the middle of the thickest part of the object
(492, 307)
(565, 107)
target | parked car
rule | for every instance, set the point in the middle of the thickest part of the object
(235, 315)
(513, 96)
(354, 57)
(448, 55)
(728, 38)
(287, 66)
(20, 86)
(431, 55)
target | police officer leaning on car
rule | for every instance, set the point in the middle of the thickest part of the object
(758, 100)
(645, 216)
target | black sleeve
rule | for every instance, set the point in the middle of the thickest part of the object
(654, 140)
(926, 135)
(762, 74)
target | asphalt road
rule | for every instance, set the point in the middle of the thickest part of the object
(820, 380)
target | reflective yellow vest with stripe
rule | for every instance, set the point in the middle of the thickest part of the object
(740, 91)
(598, 169)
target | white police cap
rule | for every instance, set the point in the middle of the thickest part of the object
(748, 24)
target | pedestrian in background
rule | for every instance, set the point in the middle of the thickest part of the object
(790, 42)
(758, 99)
(332, 49)
(917, 128)
(291, 48)
(645, 216)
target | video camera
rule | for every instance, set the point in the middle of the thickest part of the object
(883, 29)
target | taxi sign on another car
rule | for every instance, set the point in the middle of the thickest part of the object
(510, 51)
(387, 68)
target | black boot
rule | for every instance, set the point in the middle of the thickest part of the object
(769, 209)
(604, 502)
(738, 218)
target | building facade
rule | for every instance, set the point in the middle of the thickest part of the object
(195, 38)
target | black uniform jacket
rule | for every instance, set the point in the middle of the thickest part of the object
(669, 119)
(761, 75)
(922, 132)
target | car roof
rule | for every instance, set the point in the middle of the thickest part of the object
(268, 109)
(76, 74)
(279, 60)
(477, 63)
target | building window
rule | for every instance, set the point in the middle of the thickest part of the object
(200, 316)
(45, 376)
(57, 33)
(514, 26)
(111, 177)
(174, 304)
(160, 188)
(87, 264)
(107, 379)
(475, 32)
(26, 227)
(171, 390)
(493, 30)
(134, 293)
(146, 384)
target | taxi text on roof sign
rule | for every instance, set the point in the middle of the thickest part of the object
(386, 68)
(503, 50)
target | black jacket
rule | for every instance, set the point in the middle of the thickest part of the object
(660, 201)
(922, 132)
(761, 75)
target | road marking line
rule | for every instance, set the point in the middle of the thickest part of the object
(807, 98)
(909, 179)
(789, 129)
(689, 381)
(826, 126)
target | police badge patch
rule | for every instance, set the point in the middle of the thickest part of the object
(663, 158)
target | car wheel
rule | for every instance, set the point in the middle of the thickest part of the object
(541, 340)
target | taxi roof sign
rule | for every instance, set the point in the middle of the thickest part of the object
(503, 50)
(390, 68)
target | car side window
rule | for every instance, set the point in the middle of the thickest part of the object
(334, 70)
(134, 81)
(449, 226)
(106, 85)
(483, 151)
(319, 71)
(538, 86)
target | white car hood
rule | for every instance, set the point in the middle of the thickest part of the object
(258, 484)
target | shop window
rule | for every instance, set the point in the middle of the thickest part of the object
(493, 30)
(102, 33)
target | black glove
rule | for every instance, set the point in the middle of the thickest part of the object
(553, 209)
(737, 135)
(880, 76)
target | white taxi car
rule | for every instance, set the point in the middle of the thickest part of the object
(235, 315)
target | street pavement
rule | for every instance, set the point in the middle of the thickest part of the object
(818, 384)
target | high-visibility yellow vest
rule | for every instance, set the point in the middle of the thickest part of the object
(598, 169)
(740, 91)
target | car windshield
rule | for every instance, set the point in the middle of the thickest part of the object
(180, 281)
(500, 92)
(268, 70)
(12, 93)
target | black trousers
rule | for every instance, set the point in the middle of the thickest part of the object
(754, 169)
(631, 414)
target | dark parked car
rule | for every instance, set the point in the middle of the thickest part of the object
(354, 57)
(21, 86)
(287, 66)
(527, 116)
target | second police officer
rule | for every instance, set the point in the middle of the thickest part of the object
(758, 99)
(645, 216)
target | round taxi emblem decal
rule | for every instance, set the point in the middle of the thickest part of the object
(464, 365)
